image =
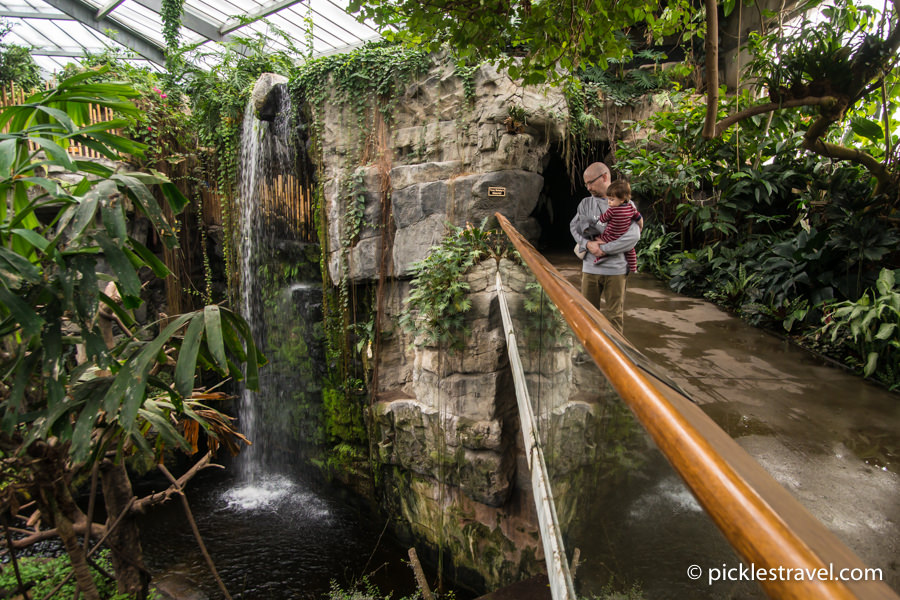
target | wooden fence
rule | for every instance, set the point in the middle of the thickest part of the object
(11, 95)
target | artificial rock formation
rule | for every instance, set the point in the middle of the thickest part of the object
(445, 425)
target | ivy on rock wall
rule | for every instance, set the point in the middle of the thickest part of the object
(365, 85)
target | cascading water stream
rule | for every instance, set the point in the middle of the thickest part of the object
(267, 161)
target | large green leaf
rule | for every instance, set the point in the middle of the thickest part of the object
(7, 156)
(84, 213)
(84, 427)
(214, 339)
(35, 239)
(114, 218)
(56, 152)
(157, 266)
(126, 393)
(868, 129)
(150, 207)
(18, 266)
(186, 366)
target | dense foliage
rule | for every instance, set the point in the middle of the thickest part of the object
(436, 306)
(753, 221)
(74, 389)
(534, 40)
(43, 575)
(841, 71)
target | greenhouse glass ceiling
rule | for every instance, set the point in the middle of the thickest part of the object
(60, 31)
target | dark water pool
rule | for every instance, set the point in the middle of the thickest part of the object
(278, 538)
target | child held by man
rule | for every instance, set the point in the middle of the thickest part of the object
(618, 218)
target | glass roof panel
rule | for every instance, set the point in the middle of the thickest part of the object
(60, 27)
(214, 12)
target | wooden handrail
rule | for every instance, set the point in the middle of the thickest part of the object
(762, 521)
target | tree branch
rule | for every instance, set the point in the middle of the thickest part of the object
(193, 523)
(164, 496)
(750, 111)
(830, 150)
(34, 537)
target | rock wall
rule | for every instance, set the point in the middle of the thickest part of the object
(445, 426)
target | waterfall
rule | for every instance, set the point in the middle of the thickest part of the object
(280, 302)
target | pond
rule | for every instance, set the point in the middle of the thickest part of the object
(281, 537)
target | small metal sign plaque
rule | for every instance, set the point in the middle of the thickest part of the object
(497, 192)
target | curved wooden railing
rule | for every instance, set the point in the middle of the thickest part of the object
(767, 526)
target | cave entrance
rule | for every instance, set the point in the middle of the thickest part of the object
(563, 190)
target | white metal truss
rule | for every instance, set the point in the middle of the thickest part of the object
(61, 31)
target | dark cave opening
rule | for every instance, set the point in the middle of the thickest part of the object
(563, 190)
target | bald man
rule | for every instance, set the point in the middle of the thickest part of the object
(604, 280)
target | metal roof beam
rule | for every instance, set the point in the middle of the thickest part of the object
(18, 14)
(63, 53)
(189, 20)
(126, 36)
(260, 13)
(111, 6)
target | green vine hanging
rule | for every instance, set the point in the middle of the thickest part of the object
(170, 12)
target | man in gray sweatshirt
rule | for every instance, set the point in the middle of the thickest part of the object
(605, 279)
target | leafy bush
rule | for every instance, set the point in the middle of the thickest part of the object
(654, 250)
(41, 575)
(871, 327)
(437, 303)
(366, 590)
(16, 64)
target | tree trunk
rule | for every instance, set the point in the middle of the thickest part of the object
(132, 577)
(70, 540)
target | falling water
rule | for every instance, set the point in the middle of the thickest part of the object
(280, 319)
(275, 533)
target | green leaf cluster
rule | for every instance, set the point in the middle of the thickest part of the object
(16, 63)
(435, 309)
(70, 264)
(376, 70)
(872, 325)
(535, 41)
(41, 575)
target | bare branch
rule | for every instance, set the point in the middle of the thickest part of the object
(39, 536)
(164, 496)
(830, 150)
(193, 523)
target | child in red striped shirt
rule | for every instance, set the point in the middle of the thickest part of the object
(618, 218)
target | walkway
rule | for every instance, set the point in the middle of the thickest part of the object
(830, 438)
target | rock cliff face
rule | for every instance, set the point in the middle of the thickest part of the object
(444, 425)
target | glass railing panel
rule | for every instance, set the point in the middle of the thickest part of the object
(633, 521)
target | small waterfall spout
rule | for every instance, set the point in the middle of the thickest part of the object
(280, 308)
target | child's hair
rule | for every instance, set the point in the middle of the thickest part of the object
(619, 189)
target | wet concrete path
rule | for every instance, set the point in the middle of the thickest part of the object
(829, 437)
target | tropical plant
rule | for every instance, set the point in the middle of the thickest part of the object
(42, 576)
(872, 326)
(839, 70)
(654, 249)
(738, 288)
(436, 306)
(72, 392)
